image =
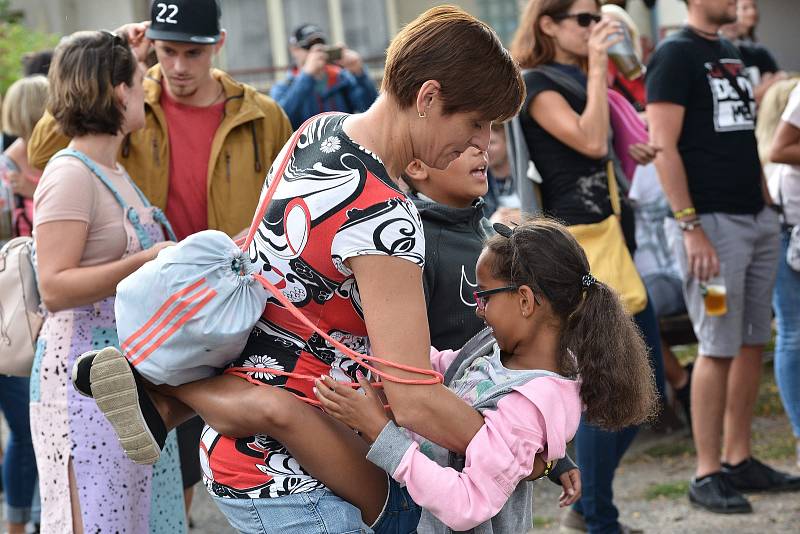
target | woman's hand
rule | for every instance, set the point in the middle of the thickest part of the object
(158, 247)
(643, 153)
(571, 484)
(361, 411)
(135, 31)
(605, 34)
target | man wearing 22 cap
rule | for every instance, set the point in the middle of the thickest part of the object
(208, 140)
(206, 146)
(323, 79)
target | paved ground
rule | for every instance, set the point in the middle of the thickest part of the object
(650, 489)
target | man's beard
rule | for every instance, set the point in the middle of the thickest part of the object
(720, 19)
(183, 90)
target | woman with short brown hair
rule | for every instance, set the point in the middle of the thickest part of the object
(92, 228)
(351, 261)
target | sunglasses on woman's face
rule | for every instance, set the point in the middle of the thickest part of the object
(584, 20)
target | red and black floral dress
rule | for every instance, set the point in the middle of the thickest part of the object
(335, 201)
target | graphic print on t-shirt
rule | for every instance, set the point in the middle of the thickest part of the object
(730, 113)
(467, 288)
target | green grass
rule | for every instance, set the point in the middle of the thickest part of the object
(542, 521)
(768, 403)
(677, 448)
(668, 490)
(773, 445)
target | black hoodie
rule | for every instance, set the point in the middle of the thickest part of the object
(453, 241)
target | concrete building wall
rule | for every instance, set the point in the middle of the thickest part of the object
(66, 16)
(779, 31)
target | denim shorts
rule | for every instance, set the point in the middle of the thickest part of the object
(400, 513)
(313, 512)
(319, 512)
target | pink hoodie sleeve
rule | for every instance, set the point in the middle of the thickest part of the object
(497, 459)
(441, 359)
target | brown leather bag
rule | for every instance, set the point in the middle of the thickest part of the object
(20, 313)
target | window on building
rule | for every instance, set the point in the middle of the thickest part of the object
(308, 11)
(247, 50)
(366, 28)
(502, 15)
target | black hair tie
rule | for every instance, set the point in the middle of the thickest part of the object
(587, 280)
(503, 230)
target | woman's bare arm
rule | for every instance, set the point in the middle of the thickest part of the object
(397, 323)
(586, 133)
(786, 144)
(62, 283)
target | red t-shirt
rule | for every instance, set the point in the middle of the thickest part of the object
(191, 131)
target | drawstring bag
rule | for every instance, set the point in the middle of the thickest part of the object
(189, 312)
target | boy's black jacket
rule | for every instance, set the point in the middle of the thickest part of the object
(453, 241)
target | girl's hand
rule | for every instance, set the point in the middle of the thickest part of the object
(605, 34)
(643, 153)
(361, 411)
(571, 484)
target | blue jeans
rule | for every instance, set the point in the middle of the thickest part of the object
(786, 302)
(598, 452)
(19, 465)
(313, 512)
(320, 512)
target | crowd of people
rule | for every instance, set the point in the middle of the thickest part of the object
(486, 247)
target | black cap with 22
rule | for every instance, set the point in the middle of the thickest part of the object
(189, 21)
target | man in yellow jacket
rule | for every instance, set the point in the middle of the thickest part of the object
(208, 140)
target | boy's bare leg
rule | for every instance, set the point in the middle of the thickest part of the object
(327, 449)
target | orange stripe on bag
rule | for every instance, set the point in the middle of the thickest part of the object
(131, 354)
(191, 312)
(164, 307)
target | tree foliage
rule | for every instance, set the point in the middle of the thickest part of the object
(15, 41)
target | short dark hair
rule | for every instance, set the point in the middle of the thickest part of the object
(464, 55)
(37, 62)
(86, 68)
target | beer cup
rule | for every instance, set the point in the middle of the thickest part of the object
(715, 296)
(624, 57)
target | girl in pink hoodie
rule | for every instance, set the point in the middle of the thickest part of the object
(560, 343)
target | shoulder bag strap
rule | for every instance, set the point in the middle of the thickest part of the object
(277, 177)
(130, 213)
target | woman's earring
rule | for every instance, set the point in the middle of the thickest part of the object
(421, 114)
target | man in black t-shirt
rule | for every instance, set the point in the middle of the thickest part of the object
(759, 63)
(701, 113)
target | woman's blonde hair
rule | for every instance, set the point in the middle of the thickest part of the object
(24, 105)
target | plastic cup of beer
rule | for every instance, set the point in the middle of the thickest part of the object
(624, 57)
(715, 296)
